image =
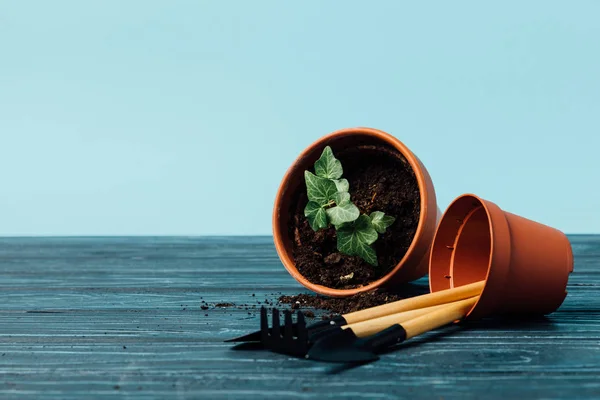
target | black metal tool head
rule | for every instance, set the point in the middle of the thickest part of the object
(292, 340)
(344, 346)
(265, 330)
(317, 328)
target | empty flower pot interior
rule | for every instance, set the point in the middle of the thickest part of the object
(471, 256)
(293, 182)
(461, 252)
(525, 264)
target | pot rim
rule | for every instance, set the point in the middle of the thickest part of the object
(424, 193)
(499, 254)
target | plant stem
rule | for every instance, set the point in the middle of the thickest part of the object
(331, 202)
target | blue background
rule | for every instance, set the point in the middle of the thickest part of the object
(180, 117)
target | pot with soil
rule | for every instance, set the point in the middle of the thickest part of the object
(356, 211)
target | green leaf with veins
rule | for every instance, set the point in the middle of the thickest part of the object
(326, 188)
(317, 218)
(319, 190)
(346, 212)
(367, 253)
(365, 230)
(342, 185)
(356, 237)
(328, 166)
(381, 221)
(341, 198)
(347, 243)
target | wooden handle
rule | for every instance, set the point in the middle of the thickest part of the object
(372, 326)
(426, 300)
(438, 318)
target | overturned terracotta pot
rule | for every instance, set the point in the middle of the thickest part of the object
(415, 262)
(525, 264)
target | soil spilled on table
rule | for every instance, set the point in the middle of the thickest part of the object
(316, 306)
(340, 305)
(381, 179)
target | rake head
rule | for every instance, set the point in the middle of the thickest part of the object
(291, 340)
(287, 341)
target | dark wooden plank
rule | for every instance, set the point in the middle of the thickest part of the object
(95, 317)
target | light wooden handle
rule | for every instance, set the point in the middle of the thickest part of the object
(438, 318)
(372, 326)
(426, 300)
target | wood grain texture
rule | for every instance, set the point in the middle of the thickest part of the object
(103, 317)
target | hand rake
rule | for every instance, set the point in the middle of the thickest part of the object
(296, 339)
(427, 300)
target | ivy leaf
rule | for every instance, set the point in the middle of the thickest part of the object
(381, 221)
(350, 243)
(342, 185)
(365, 230)
(325, 188)
(328, 166)
(367, 253)
(355, 238)
(317, 218)
(346, 212)
(341, 198)
(319, 190)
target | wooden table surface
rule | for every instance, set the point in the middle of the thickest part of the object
(102, 317)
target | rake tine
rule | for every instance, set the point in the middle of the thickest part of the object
(275, 330)
(264, 325)
(288, 329)
(288, 342)
(301, 326)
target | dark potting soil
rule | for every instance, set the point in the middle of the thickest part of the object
(314, 306)
(381, 179)
(341, 305)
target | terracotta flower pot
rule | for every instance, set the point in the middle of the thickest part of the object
(415, 262)
(526, 265)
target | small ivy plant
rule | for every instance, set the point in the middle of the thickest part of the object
(329, 204)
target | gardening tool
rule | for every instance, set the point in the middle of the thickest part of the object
(295, 339)
(426, 300)
(356, 343)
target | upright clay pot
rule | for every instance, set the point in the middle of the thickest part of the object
(525, 264)
(413, 265)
